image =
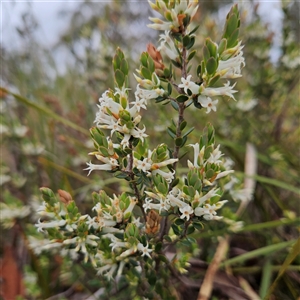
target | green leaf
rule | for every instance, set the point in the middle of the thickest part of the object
(231, 26)
(172, 129)
(198, 226)
(179, 222)
(206, 53)
(183, 125)
(176, 229)
(194, 30)
(120, 53)
(144, 60)
(211, 66)
(104, 151)
(116, 62)
(191, 55)
(199, 71)
(124, 67)
(222, 46)
(190, 229)
(167, 238)
(214, 80)
(119, 78)
(175, 105)
(151, 65)
(178, 141)
(175, 182)
(176, 64)
(212, 47)
(158, 247)
(186, 20)
(233, 39)
(191, 44)
(170, 132)
(182, 98)
(167, 73)
(191, 191)
(121, 175)
(186, 41)
(169, 88)
(146, 73)
(188, 132)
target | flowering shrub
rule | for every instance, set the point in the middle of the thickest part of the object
(129, 234)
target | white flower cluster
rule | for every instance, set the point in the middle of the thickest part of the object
(150, 167)
(197, 202)
(227, 69)
(174, 12)
(120, 115)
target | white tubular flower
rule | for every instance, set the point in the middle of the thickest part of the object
(151, 94)
(81, 243)
(178, 8)
(224, 173)
(53, 224)
(231, 68)
(42, 211)
(144, 83)
(198, 154)
(128, 252)
(207, 103)
(121, 92)
(169, 176)
(164, 163)
(162, 205)
(174, 200)
(148, 205)
(188, 84)
(186, 212)
(159, 24)
(40, 245)
(136, 222)
(132, 204)
(215, 156)
(232, 52)
(144, 249)
(98, 208)
(169, 52)
(209, 211)
(167, 46)
(106, 167)
(139, 133)
(111, 124)
(229, 185)
(201, 199)
(115, 243)
(125, 141)
(226, 90)
(92, 223)
(234, 226)
(242, 195)
(107, 270)
(143, 165)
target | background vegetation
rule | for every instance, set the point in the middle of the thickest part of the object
(45, 117)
